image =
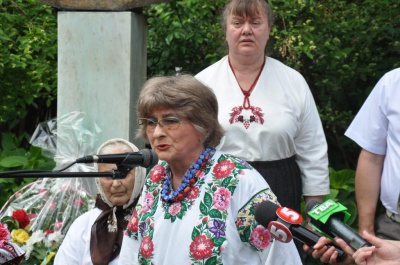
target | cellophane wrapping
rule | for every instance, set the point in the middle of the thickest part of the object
(52, 204)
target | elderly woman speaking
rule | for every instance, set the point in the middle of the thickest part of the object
(197, 205)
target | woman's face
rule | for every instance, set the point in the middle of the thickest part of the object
(177, 145)
(247, 35)
(117, 191)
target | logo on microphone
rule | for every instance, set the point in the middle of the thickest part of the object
(322, 208)
(289, 215)
(329, 218)
(280, 232)
(279, 229)
(325, 210)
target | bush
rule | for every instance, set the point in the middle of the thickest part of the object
(13, 157)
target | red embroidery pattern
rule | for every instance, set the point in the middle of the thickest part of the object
(237, 116)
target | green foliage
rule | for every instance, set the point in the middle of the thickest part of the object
(342, 50)
(28, 63)
(13, 157)
(342, 191)
(183, 34)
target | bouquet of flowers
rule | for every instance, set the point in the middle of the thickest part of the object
(39, 215)
(10, 253)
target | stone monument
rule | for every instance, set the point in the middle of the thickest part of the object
(102, 62)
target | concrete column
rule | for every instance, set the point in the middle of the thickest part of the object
(101, 68)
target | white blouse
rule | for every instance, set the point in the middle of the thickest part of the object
(75, 248)
(283, 121)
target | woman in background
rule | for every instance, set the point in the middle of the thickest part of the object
(267, 109)
(96, 236)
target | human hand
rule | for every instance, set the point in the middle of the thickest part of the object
(329, 254)
(382, 252)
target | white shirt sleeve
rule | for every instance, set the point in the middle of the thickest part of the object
(73, 250)
(129, 251)
(370, 125)
(311, 149)
(283, 253)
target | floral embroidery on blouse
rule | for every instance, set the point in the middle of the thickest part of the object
(146, 209)
(250, 231)
(132, 228)
(209, 235)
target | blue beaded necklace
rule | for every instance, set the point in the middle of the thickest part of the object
(189, 179)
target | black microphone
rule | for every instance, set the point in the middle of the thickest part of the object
(143, 158)
(284, 224)
(329, 218)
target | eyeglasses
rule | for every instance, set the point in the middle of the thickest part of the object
(170, 123)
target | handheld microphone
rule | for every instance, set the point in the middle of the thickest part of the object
(284, 224)
(143, 158)
(329, 219)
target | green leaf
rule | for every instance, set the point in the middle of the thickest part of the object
(3, 36)
(352, 209)
(332, 196)
(218, 242)
(215, 214)
(203, 208)
(343, 179)
(211, 261)
(195, 233)
(7, 142)
(10, 222)
(14, 161)
(208, 201)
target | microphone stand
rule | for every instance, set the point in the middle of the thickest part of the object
(120, 173)
(115, 174)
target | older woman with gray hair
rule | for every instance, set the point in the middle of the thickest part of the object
(96, 236)
(197, 205)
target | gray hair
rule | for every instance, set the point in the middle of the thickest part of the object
(189, 97)
(249, 8)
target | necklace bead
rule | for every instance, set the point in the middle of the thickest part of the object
(190, 178)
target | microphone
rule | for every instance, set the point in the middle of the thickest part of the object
(284, 224)
(143, 158)
(329, 219)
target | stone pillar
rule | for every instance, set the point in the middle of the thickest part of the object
(101, 64)
(101, 68)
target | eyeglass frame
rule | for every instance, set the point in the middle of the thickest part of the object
(161, 123)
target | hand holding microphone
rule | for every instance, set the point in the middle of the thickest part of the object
(284, 224)
(329, 219)
(383, 252)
